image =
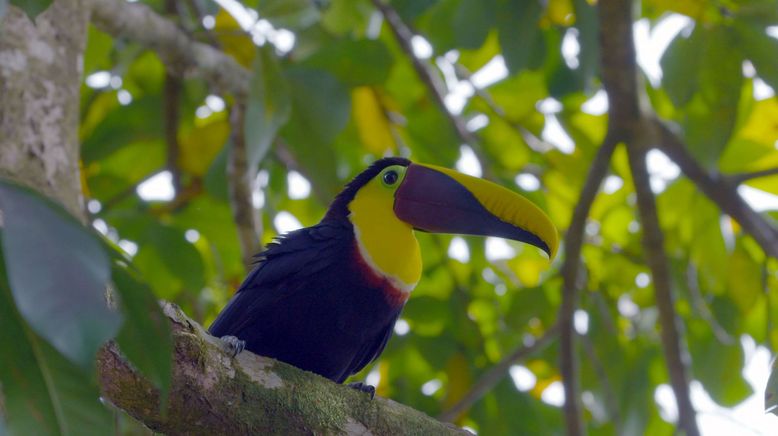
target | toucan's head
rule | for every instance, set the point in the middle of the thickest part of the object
(394, 196)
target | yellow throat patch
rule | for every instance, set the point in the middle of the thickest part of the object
(387, 244)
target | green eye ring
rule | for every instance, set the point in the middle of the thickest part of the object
(392, 176)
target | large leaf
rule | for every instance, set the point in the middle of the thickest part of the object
(761, 49)
(373, 124)
(32, 7)
(269, 105)
(294, 14)
(712, 113)
(680, 66)
(520, 37)
(356, 62)
(145, 337)
(58, 274)
(141, 120)
(44, 393)
(472, 21)
(321, 107)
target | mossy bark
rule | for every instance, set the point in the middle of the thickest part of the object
(213, 393)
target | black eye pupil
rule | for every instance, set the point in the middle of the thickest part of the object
(390, 177)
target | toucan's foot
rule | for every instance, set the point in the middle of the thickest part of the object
(232, 345)
(363, 387)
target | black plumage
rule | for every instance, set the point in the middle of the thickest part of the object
(311, 301)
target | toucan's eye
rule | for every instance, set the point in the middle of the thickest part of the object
(390, 177)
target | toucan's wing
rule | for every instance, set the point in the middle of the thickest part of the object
(370, 351)
(293, 258)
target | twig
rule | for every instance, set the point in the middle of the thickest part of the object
(496, 373)
(738, 179)
(568, 358)
(719, 191)
(181, 54)
(239, 180)
(171, 95)
(535, 143)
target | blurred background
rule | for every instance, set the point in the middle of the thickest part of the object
(190, 182)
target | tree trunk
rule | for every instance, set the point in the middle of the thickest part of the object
(40, 78)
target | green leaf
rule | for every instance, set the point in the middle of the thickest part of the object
(472, 21)
(761, 49)
(321, 106)
(713, 362)
(141, 120)
(410, 9)
(290, 14)
(356, 62)
(771, 391)
(32, 7)
(145, 337)
(169, 261)
(44, 393)
(437, 25)
(680, 66)
(269, 105)
(712, 113)
(58, 274)
(519, 34)
(588, 24)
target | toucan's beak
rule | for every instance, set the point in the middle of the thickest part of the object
(439, 200)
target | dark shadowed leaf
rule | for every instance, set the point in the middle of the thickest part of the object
(32, 7)
(761, 49)
(290, 14)
(44, 393)
(712, 112)
(680, 65)
(588, 24)
(269, 104)
(472, 21)
(58, 273)
(321, 107)
(520, 37)
(145, 337)
(356, 62)
(141, 120)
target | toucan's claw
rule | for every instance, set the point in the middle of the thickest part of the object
(363, 387)
(232, 345)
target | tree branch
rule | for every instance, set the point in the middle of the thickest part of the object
(653, 244)
(214, 394)
(496, 373)
(628, 122)
(719, 191)
(240, 178)
(181, 54)
(568, 358)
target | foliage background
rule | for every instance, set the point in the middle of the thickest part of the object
(333, 89)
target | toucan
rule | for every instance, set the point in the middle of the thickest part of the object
(325, 298)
